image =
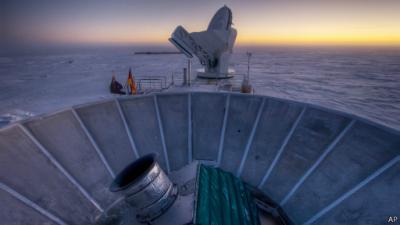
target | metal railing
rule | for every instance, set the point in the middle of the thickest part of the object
(158, 83)
(147, 84)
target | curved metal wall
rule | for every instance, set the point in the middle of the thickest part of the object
(321, 166)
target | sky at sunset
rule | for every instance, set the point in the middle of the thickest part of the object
(280, 22)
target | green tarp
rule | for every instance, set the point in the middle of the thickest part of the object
(223, 199)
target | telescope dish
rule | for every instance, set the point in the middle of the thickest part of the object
(213, 47)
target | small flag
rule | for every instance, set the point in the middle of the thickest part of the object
(131, 85)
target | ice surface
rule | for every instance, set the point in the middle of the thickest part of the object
(362, 81)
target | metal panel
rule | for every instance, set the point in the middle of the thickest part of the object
(275, 122)
(140, 114)
(315, 132)
(207, 117)
(26, 170)
(114, 143)
(242, 114)
(57, 164)
(94, 144)
(251, 138)
(371, 202)
(13, 211)
(174, 117)
(62, 135)
(362, 151)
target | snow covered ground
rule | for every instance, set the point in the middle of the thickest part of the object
(362, 81)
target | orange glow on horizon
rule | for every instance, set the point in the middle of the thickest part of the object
(343, 39)
(272, 22)
(249, 38)
(317, 27)
(255, 40)
(269, 34)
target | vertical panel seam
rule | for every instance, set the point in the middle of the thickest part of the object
(190, 149)
(127, 129)
(250, 139)
(58, 165)
(93, 142)
(356, 188)
(281, 149)
(31, 204)
(222, 137)
(160, 126)
(324, 154)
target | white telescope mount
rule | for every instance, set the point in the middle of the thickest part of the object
(213, 47)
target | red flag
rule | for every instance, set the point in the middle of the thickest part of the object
(131, 83)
